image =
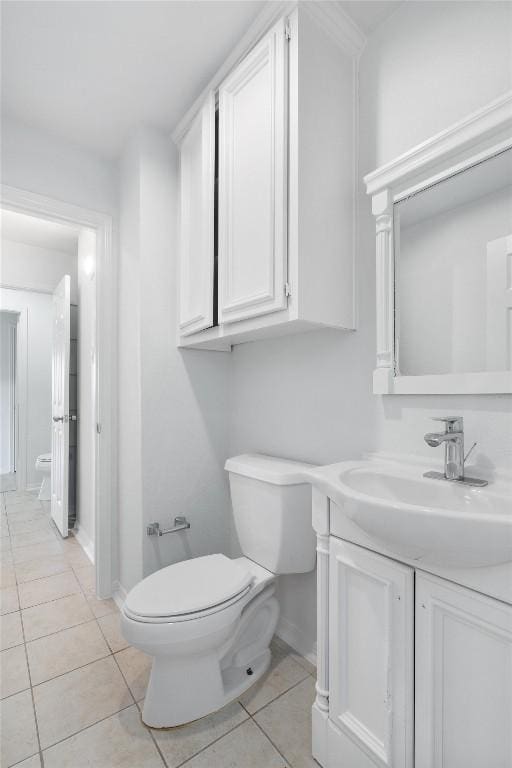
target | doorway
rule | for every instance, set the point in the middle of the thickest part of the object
(95, 382)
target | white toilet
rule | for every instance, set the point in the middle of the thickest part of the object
(44, 465)
(208, 622)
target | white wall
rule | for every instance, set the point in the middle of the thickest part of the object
(39, 269)
(173, 407)
(309, 397)
(38, 364)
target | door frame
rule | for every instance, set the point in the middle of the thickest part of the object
(105, 465)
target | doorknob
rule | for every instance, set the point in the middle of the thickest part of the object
(58, 418)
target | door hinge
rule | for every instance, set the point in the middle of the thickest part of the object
(98, 428)
(287, 289)
(288, 30)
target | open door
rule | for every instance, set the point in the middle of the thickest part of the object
(60, 404)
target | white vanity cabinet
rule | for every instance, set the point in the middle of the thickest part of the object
(463, 677)
(414, 671)
(371, 664)
(284, 145)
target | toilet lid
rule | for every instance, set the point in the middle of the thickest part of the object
(188, 587)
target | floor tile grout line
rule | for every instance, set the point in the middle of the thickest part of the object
(287, 764)
(36, 723)
(91, 725)
(75, 669)
(203, 749)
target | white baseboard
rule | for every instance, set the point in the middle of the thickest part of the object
(296, 639)
(85, 542)
(118, 594)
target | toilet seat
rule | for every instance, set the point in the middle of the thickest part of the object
(189, 590)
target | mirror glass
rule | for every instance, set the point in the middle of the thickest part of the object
(453, 273)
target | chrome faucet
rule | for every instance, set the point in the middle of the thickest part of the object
(453, 439)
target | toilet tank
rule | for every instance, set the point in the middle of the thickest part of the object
(272, 512)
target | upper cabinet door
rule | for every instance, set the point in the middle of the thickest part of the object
(252, 182)
(197, 222)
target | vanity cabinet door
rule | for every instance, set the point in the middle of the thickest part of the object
(252, 182)
(463, 677)
(371, 645)
(197, 169)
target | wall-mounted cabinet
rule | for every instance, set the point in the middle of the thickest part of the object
(267, 248)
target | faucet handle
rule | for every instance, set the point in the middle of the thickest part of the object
(453, 423)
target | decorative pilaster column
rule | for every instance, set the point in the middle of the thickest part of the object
(321, 706)
(382, 208)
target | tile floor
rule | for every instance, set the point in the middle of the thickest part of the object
(71, 689)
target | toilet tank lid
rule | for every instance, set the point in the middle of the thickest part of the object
(269, 469)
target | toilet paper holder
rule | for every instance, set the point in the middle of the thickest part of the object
(180, 524)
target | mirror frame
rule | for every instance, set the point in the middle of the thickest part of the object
(476, 138)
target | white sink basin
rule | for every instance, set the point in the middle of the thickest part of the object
(432, 521)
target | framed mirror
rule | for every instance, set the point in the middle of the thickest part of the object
(444, 261)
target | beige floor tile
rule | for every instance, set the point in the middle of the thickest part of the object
(26, 510)
(17, 504)
(287, 722)
(77, 558)
(135, 666)
(180, 744)
(67, 704)
(36, 551)
(9, 600)
(87, 577)
(39, 536)
(245, 747)
(38, 569)
(17, 527)
(14, 671)
(284, 673)
(67, 650)
(48, 588)
(101, 607)
(52, 617)
(279, 646)
(19, 737)
(110, 627)
(121, 741)
(6, 558)
(7, 576)
(11, 632)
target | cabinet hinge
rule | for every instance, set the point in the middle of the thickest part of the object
(287, 289)
(288, 30)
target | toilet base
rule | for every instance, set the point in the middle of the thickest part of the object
(45, 492)
(185, 688)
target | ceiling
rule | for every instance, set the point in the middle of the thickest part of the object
(91, 72)
(33, 231)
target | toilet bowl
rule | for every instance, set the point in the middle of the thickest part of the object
(44, 465)
(208, 621)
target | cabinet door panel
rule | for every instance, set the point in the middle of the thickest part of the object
(252, 182)
(197, 222)
(371, 657)
(463, 677)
